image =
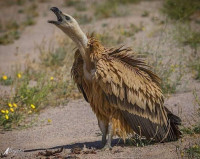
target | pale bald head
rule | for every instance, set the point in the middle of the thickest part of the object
(70, 26)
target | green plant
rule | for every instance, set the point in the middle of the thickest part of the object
(197, 129)
(168, 85)
(193, 41)
(29, 21)
(185, 35)
(197, 99)
(4, 80)
(145, 14)
(41, 84)
(82, 18)
(78, 4)
(70, 3)
(111, 8)
(166, 72)
(187, 130)
(11, 29)
(26, 98)
(32, 94)
(138, 141)
(180, 9)
(129, 31)
(191, 130)
(108, 40)
(107, 9)
(193, 151)
(12, 25)
(195, 66)
(9, 37)
(15, 2)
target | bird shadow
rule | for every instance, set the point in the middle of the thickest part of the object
(92, 144)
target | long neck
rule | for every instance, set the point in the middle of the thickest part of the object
(80, 40)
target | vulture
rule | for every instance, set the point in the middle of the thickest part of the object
(123, 92)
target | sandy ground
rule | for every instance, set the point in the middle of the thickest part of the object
(13, 55)
(75, 125)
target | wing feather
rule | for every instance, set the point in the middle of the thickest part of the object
(128, 85)
(130, 88)
(77, 73)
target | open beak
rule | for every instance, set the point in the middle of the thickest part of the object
(58, 13)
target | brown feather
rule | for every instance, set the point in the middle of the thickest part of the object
(124, 88)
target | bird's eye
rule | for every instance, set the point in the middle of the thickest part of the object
(67, 18)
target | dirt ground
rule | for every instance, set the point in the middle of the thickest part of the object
(74, 125)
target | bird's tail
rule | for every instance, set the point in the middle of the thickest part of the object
(145, 127)
(173, 121)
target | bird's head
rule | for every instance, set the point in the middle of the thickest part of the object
(69, 26)
(64, 21)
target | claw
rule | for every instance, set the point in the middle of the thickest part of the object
(107, 148)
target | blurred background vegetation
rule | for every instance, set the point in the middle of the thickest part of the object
(170, 46)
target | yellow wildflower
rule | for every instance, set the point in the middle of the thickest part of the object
(195, 146)
(143, 28)
(51, 78)
(15, 105)
(19, 75)
(3, 111)
(7, 111)
(7, 117)
(10, 105)
(176, 66)
(182, 154)
(4, 77)
(49, 120)
(11, 109)
(150, 34)
(32, 106)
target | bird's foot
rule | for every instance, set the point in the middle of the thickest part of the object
(107, 147)
(103, 142)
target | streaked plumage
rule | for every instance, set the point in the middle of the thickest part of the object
(123, 87)
(122, 91)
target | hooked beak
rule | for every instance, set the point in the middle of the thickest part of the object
(58, 13)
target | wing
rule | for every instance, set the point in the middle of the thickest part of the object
(77, 72)
(129, 86)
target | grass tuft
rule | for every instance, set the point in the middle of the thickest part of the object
(41, 84)
(186, 36)
(145, 14)
(195, 67)
(79, 5)
(9, 37)
(138, 141)
(82, 18)
(193, 151)
(111, 8)
(108, 40)
(11, 30)
(181, 9)
(6, 81)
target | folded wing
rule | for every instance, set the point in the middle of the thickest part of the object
(129, 86)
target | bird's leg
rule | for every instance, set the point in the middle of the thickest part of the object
(110, 134)
(104, 128)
